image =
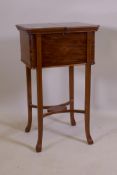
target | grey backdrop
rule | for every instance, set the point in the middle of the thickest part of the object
(55, 81)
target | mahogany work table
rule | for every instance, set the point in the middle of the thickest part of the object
(53, 45)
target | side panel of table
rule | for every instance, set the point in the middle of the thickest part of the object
(28, 49)
(66, 49)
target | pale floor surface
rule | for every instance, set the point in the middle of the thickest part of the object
(65, 151)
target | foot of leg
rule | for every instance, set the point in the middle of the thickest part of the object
(73, 122)
(90, 140)
(28, 128)
(38, 148)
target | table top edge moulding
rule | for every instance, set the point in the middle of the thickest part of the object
(57, 27)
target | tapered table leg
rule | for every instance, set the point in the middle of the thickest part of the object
(39, 96)
(71, 94)
(87, 102)
(29, 99)
(39, 111)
